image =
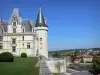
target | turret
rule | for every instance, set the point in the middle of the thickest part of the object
(41, 30)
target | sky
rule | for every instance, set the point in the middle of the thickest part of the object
(71, 23)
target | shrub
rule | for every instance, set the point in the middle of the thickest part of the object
(23, 55)
(6, 57)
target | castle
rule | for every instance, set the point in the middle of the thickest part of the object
(19, 35)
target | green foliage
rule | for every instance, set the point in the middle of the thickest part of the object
(96, 66)
(23, 55)
(6, 57)
(82, 61)
(73, 58)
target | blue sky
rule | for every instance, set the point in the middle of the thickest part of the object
(72, 23)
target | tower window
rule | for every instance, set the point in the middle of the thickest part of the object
(14, 23)
(13, 49)
(13, 41)
(40, 39)
(14, 30)
(1, 38)
(1, 46)
(28, 45)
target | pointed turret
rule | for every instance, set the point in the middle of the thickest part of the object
(40, 20)
(15, 15)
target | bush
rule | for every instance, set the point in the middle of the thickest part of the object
(23, 55)
(91, 71)
(6, 57)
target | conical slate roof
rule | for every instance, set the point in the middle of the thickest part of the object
(40, 20)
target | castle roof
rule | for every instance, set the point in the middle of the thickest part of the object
(40, 20)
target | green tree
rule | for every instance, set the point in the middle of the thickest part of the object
(74, 55)
(96, 66)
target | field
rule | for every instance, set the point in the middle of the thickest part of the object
(20, 66)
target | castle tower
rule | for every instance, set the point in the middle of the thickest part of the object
(41, 30)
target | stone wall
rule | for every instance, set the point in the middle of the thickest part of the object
(47, 67)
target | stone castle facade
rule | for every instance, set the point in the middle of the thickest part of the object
(19, 35)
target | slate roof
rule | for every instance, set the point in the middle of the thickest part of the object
(26, 25)
(4, 26)
(40, 20)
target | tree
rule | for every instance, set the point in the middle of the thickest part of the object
(73, 56)
(96, 65)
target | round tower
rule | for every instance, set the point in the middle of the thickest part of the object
(41, 30)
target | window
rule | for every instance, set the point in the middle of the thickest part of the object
(1, 46)
(33, 29)
(13, 41)
(13, 49)
(14, 17)
(40, 39)
(1, 38)
(28, 45)
(14, 23)
(23, 30)
(14, 30)
(2, 31)
(23, 38)
(23, 44)
(37, 52)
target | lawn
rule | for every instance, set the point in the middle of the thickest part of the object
(20, 66)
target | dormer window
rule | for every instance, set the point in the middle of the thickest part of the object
(14, 18)
(14, 23)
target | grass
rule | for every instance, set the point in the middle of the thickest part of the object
(20, 66)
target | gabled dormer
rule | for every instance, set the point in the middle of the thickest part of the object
(16, 17)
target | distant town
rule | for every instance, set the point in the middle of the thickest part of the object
(80, 60)
(66, 52)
